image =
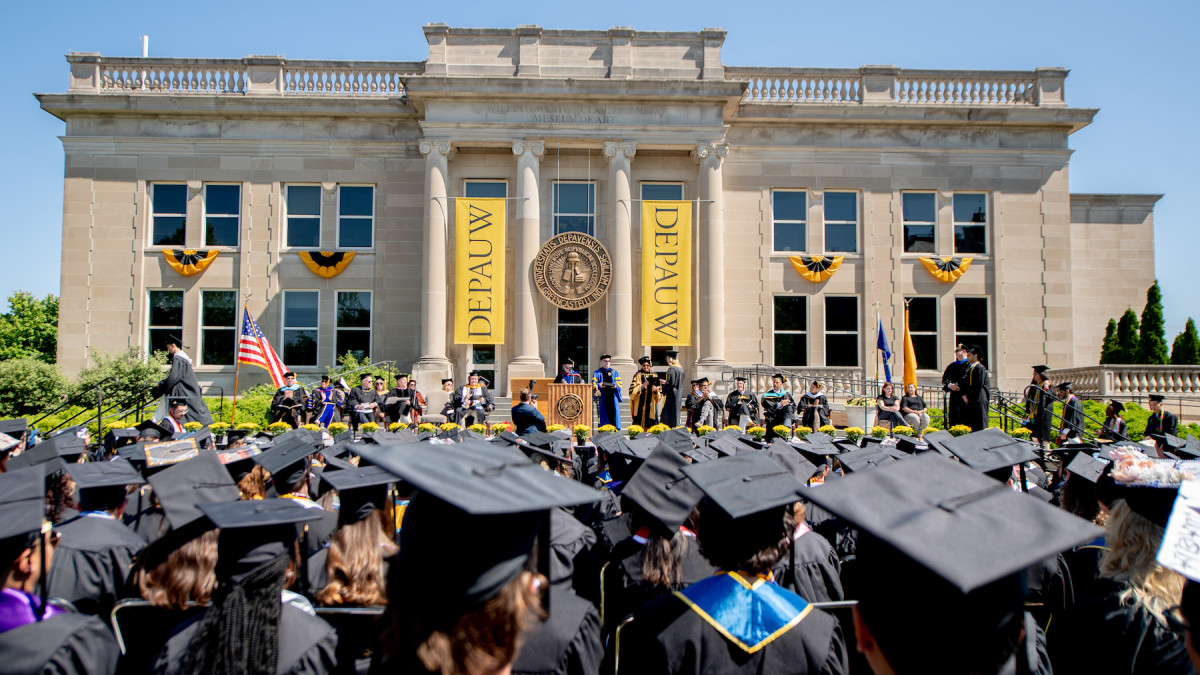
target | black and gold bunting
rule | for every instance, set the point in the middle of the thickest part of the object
(189, 261)
(327, 264)
(946, 269)
(816, 268)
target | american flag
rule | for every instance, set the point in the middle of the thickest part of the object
(255, 349)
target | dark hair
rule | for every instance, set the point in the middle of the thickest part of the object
(1078, 496)
(1189, 604)
(13, 547)
(752, 544)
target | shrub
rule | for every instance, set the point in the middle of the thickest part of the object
(853, 434)
(903, 430)
(132, 369)
(828, 429)
(879, 432)
(634, 430)
(960, 430)
(29, 387)
(757, 433)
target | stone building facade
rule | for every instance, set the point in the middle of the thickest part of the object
(263, 158)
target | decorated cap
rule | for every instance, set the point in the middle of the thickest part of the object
(745, 484)
(177, 401)
(183, 487)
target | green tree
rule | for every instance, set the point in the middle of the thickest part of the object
(130, 371)
(29, 387)
(1152, 345)
(30, 328)
(1110, 350)
(1186, 349)
(1127, 337)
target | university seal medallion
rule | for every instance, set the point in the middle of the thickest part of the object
(572, 270)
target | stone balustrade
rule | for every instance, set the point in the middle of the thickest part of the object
(798, 85)
(1118, 381)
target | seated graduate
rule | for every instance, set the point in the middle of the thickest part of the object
(37, 637)
(355, 566)
(525, 416)
(1079, 568)
(96, 551)
(944, 554)
(450, 410)
(290, 402)
(249, 628)
(177, 409)
(740, 620)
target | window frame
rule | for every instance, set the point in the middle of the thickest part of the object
(370, 329)
(287, 215)
(337, 235)
(935, 333)
(559, 324)
(284, 327)
(803, 223)
(826, 222)
(857, 332)
(153, 185)
(150, 307)
(203, 327)
(204, 215)
(642, 192)
(986, 224)
(555, 213)
(775, 332)
(486, 181)
(923, 223)
(960, 334)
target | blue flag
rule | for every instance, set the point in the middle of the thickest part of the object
(881, 344)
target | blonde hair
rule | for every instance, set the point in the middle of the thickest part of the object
(173, 576)
(1134, 542)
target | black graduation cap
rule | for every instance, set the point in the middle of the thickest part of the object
(239, 462)
(936, 440)
(1152, 502)
(1040, 369)
(52, 454)
(181, 488)
(817, 447)
(864, 459)
(116, 473)
(506, 437)
(1117, 406)
(893, 451)
(288, 459)
(702, 453)
(450, 434)
(254, 532)
(644, 359)
(22, 505)
(539, 439)
(789, 458)
(447, 379)
(115, 438)
(679, 439)
(14, 427)
(605, 356)
(1088, 467)
(1169, 441)
(1157, 398)
(672, 353)
(661, 489)
(68, 446)
(176, 400)
(746, 483)
(990, 449)
(726, 445)
(361, 491)
(149, 425)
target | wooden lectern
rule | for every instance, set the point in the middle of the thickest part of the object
(565, 404)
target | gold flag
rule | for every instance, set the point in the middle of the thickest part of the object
(666, 273)
(910, 357)
(479, 271)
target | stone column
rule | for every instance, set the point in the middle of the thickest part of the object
(711, 268)
(619, 336)
(433, 364)
(527, 359)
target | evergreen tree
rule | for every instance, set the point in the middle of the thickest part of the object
(1152, 345)
(1110, 349)
(1186, 349)
(1127, 337)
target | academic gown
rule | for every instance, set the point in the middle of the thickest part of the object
(625, 589)
(567, 643)
(325, 406)
(811, 569)
(976, 387)
(66, 643)
(672, 397)
(283, 410)
(143, 516)
(643, 404)
(181, 382)
(1037, 408)
(609, 398)
(91, 565)
(307, 645)
(1072, 417)
(1162, 422)
(1075, 578)
(741, 403)
(776, 411)
(814, 410)
(953, 374)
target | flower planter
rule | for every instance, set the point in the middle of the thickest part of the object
(859, 416)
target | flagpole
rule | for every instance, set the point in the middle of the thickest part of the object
(878, 356)
(237, 368)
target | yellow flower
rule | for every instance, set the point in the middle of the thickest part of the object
(192, 426)
(338, 428)
(311, 427)
(368, 427)
(555, 427)
(659, 428)
(397, 426)
(879, 432)
(803, 431)
(633, 430)
(960, 430)
(757, 432)
(426, 427)
(828, 429)
(247, 426)
(781, 430)
(607, 428)
(903, 430)
(704, 430)
(218, 426)
(448, 426)
(477, 428)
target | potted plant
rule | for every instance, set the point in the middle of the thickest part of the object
(757, 432)
(704, 430)
(397, 426)
(783, 431)
(1021, 433)
(606, 429)
(338, 428)
(368, 427)
(879, 432)
(501, 427)
(802, 432)
(860, 412)
(554, 427)
(311, 427)
(219, 429)
(581, 433)
(854, 434)
(247, 426)
(903, 431)
(277, 428)
(658, 429)
(960, 430)
(828, 429)
(634, 431)
(426, 428)
(733, 427)
(191, 426)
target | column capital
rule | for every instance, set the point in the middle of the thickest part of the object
(441, 147)
(715, 151)
(614, 149)
(535, 148)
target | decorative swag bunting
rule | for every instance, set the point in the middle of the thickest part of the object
(946, 269)
(189, 261)
(816, 268)
(327, 264)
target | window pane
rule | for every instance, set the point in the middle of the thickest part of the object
(573, 344)
(166, 308)
(970, 239)
(485, 189)
(223, 200)
(658, 356)
(357, 342)
(300, 310)
(842, 238)
(578, 316)
(574, 198)
(789, 237)
(841, 350)
(304, 232)
(484, 354)
(170, 198)
(216, 346)
(304, 200)
(841, 314)
(791, 349)
(356, 201)
(354, 310)
(158, 338)
(791, 312)
(841, 206)
(970, 208)
(981, 340)
(573, 224)
(922, 315)
(219, 308)
(354, 233)
(168, 231)
(300, 347)
(919, 206)
(918, 238)
(660, 191)
(789, 205)
(220, 231)
(925, 347)
(970, 315)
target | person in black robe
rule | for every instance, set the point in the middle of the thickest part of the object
(477, 401)
(741, 406)
(1161, 421)
(814, 407)
(975, 391)
(96, 551)
(1115, 428)
(36, 637)
(952, 378)
(181, 382)
(672, 391)
(811, 568)
(567, 374)
(362, 402)
(289, 402)
(450, 410)
(645, 391)
(402, 409)
(1038, 406)
(778, 406)
(1072, 414)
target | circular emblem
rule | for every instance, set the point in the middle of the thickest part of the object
(570, 407)
(572, 270)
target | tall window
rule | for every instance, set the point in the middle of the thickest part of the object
(841, 331)
(168, 206)
(303, 203)
(483, 360)
(662, 191)
(353, 324)
(791, 330)
(923, 326)
(165, 318)
(300, 327)
(356, 216)
(841, 222)
(574, 208)
(789, 210)
(971, 324)
(920, 218)
(222, 209)
(218, 327)
(486, 188)
(573, 338)
(970, 222)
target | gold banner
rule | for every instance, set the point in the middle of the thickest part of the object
(666, 273)
(479, 271)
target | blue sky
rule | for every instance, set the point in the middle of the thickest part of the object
(1126, 60)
